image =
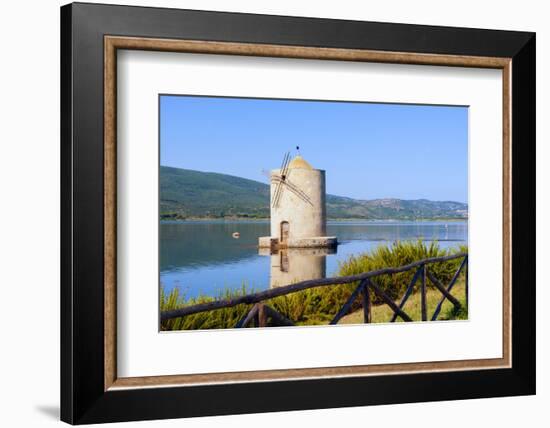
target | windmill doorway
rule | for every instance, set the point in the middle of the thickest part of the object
(285, 230)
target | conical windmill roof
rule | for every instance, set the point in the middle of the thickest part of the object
(299, 162)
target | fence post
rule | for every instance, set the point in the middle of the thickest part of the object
(262, 316)
(252, 314)
(257, 316)
(366, 304)
(388, 300)
(408, 292)
(347, 306)
(423, 304)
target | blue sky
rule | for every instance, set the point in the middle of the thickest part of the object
(368, 150)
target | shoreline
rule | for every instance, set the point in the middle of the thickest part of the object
(334, 220)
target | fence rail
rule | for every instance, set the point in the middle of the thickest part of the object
(260, 312)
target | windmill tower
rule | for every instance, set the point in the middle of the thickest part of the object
(298, 208)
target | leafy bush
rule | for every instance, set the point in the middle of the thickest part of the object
(400, 254)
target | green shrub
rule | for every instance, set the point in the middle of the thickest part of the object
(400, 254)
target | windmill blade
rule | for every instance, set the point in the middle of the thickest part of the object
(298, 192)
(283, 173)
(275, 193)
(294, 189)
(285, 157)
(279, 189)
(285, 167)
(272, 176)
(277, 177)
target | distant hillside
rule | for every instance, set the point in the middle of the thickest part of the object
(201, 194)
(186, 193)
(340, 207)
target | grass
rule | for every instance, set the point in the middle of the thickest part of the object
(223, 318)
(400, 254)
(383, 313)
(317, 306)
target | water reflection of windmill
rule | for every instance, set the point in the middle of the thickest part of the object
(291, 265)
(298, 221)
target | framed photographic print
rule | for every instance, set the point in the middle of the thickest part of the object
(258, 207)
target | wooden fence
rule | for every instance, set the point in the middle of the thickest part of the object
(261, 313)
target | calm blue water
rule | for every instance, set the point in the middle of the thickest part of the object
(202, 257)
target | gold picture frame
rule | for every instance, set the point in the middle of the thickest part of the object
(114, 43)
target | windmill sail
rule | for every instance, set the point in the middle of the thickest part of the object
(283, 169)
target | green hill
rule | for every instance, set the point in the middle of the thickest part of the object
(186, 193)
(206, 194)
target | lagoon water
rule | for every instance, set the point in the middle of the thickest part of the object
(203, 258)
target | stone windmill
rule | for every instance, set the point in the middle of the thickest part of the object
(298, 207)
